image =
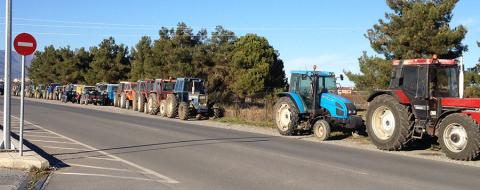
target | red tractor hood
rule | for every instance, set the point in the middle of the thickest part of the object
(461, 102)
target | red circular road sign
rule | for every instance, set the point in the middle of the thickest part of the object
(25, 44)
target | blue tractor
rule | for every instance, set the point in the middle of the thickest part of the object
(312, 105)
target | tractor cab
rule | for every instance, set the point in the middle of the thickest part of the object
(305, 83)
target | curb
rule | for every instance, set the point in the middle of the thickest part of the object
(29, 160)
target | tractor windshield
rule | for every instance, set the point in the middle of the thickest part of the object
(444, 82)
(327, 84)
(168, 86)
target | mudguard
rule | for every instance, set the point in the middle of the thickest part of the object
(296, 99)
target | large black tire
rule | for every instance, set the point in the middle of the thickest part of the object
(286, 116)
(398, 133)
(321, 129)
(152, 107)
(183, 111)
(172, 106)
(141, 104)
(115, 100)
(450, 133)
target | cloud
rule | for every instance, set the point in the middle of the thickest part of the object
(327, 62)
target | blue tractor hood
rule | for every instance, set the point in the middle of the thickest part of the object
(335, 104)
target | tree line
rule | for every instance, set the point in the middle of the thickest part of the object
(233, 67)
(413, 29)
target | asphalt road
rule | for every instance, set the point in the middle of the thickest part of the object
(102, 150)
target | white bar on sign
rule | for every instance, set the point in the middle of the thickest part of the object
(25, 44)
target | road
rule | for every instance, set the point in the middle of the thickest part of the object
(102, 150)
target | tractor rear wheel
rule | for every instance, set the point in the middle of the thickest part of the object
(286, 116)
(172, 106)
(123, 101)
(389, 123)
(141, 104)
(321, 129)
(459, 137)
(163, 108)
(115, 101)
(183, 111)
(152, 104)
(134, 103)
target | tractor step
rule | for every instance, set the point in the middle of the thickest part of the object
(419, 129)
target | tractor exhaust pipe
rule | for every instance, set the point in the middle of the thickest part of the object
(461, 85)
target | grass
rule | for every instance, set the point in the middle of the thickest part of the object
(36, 175)
(234, 120)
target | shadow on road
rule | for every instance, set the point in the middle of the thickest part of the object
(158, 146)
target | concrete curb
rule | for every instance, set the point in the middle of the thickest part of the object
(29, 160)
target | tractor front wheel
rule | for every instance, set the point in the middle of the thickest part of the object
(183, 111)
(321, 129)
(459, 137)
(123, 101)
(152, 105)
(286, 116)
(389, 123)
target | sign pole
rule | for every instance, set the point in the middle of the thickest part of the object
(22, 97)
(6, 94)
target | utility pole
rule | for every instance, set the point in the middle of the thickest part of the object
(7, 71)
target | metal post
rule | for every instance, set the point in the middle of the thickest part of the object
(6, 94)
(22, 97)
(461, 78)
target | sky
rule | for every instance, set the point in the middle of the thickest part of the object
(326, 33)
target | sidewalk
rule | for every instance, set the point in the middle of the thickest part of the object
(11, 178)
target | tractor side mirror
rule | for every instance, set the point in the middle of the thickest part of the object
(341, 77)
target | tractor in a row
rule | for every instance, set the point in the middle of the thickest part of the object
(425, 98)
(312, 106)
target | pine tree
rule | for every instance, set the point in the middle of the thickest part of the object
(142, 65)
(111, 63)
(416, 29)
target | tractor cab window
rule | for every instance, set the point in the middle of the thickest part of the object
(327, 84)
(168, 86)
(150, 86)
(444, 82)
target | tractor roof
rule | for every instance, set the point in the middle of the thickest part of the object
(425, 62)
(321, 73)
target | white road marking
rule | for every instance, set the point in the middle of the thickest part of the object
(59, 142)
(66, 148)
(105, 168)
(103, 175)
(27, 131)
(41, 136)
(164, 179)
(99, 158)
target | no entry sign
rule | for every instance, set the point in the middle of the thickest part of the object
(25, 44)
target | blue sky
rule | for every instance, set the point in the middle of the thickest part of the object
(306, 32)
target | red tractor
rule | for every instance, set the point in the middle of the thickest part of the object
(128, 95)
(157, 99)
(425, 97)
(143, 90)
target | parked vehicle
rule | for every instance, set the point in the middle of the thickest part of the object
(78, 92)
(57, 92)
(312, 105)
(157, 103)
(69, 94)
(39, 91)
(425, 97)
(90, 95)
(144, 87)
(108, 91)
(189, 99)
(51, 90)
(128, 95)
